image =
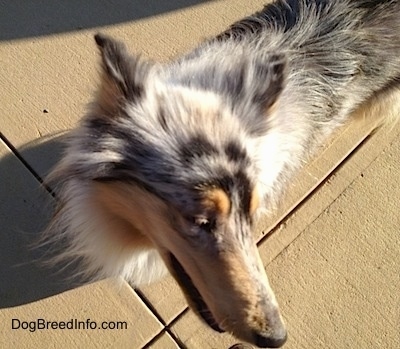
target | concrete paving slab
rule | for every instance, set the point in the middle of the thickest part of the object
(167, 298)
(165, 341)
(358, 138)
(106, 314)
(24, 211)
(338, 281)
(195, 334)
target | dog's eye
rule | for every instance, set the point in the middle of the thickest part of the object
(205, 223)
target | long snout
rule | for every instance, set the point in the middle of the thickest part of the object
(255, 313)
(234, 287)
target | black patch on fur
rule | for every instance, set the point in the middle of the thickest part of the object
(268, 76)
(372, 4)
(244, 189)
(234, 82)
(197, 147)
(235, 152)
(99, 128)
(282, 15)
(96, 129)
(271, 75)
(162, 120)
(136, 152)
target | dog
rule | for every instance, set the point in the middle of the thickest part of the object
(173, 163)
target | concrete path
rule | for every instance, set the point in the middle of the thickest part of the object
(332, 249)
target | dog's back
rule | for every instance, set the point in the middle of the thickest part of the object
(339, 52)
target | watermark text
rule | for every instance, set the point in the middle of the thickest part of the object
(71, 324)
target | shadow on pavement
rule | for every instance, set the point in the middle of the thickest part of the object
(23, 18)
(25, 208)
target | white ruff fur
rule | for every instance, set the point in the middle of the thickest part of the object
(89, 234)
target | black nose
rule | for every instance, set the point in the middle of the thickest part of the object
(270, 342)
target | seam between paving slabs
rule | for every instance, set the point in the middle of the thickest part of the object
(326, 179)
(167, 329)
(21, 159)
(319, 187)
(39, 179)
(175, 340)
(157, 315)
(310, 194)
(297, 206)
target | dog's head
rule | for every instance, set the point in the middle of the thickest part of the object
(183, 172)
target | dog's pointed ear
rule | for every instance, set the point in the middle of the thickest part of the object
(123, 75)
(267, 80)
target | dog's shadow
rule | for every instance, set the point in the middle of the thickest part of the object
(25, 209)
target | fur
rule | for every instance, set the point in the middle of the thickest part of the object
(173, 162)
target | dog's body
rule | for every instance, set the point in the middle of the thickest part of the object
(173, 162)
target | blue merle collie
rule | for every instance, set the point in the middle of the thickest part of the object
(173, 163)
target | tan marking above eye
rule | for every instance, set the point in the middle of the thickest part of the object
(217, 200)
(254, 201)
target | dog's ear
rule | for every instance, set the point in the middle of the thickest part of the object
(123, 75)
(267, 80)
(258, 81)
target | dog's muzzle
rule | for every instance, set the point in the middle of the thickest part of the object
(193, 294)
(263, 339)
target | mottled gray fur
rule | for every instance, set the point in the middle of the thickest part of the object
(203, 137)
